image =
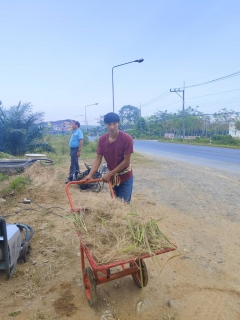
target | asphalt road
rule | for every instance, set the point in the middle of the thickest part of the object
(221, 158)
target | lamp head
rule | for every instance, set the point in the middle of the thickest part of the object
(140, 60)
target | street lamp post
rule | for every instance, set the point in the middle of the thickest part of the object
(119, 65)
(93, 104)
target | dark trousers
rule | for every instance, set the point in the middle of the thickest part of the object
(74, 161)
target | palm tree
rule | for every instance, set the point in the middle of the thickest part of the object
(20, 129)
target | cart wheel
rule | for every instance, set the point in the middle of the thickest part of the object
(140, 274)
(25, 252)
(89, 286)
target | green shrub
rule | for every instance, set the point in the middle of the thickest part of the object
(64, 149)
(223, 139)
(3, 177)
(85, 140)
(5, 156)
(91, 147)
(19, 183)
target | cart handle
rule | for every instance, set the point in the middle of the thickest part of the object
(85, 182)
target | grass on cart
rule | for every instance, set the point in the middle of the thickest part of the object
(113, 231)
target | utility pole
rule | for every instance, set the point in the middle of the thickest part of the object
(183, 109)
(140, 118)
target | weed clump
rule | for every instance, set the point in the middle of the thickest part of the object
(3, 177)
(17, 185)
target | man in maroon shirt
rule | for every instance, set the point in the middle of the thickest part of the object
(116, 147)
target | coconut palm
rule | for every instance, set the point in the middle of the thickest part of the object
(20, 130)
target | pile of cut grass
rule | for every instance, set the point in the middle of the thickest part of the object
(113, 231)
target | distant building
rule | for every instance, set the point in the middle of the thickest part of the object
(60, 126)
(233, 131)
(169, 135)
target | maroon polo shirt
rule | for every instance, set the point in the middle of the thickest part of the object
(114, 152)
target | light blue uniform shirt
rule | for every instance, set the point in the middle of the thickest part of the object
(76, 136)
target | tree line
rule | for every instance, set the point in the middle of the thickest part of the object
(22, 131)
(195, 122)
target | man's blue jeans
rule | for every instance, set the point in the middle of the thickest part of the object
(74, 161)
(124, 190)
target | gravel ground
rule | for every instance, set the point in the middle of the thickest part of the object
(205, 223)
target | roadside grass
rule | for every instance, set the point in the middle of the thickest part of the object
(60, 144)
(210, 142)
(171, 316)
(3, 177)
(6, 156)
(16, 185)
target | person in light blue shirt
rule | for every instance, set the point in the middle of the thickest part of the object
(75, 145)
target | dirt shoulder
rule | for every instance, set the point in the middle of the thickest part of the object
(202, 217)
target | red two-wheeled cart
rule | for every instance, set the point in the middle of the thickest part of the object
(97, 274)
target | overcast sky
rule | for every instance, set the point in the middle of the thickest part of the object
(59, 54)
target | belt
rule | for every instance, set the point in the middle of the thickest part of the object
(115, 179)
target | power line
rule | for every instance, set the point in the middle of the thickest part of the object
(164, 94)
(162, 107)
(158, 98)
(215, 80)
(212, 94)
(212, 74)
(210, 114)
(213, 103)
